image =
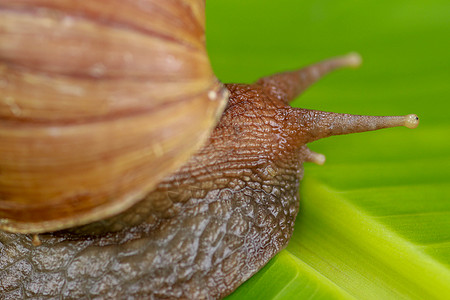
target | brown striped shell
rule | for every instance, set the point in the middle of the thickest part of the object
(98, 102)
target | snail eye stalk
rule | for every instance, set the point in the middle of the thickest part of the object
(319, 124)
(289, 85)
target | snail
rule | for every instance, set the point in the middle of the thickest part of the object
(144, 176)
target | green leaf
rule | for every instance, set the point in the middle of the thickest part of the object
(374, 221)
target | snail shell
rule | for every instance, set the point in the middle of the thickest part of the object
(98, 102)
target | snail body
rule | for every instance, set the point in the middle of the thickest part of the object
(209, 222)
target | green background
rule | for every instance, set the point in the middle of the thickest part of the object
(375, 219)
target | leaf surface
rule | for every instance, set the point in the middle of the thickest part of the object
(374, 221)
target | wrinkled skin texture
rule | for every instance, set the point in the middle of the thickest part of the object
(202, 232)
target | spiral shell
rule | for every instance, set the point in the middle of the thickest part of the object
(98, 102)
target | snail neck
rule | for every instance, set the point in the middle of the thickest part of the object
(253, 151)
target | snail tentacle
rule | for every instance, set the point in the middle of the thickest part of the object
(316, 124)
(289, 85)
(314, 157)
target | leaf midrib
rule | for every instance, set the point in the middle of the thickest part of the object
(375, 239)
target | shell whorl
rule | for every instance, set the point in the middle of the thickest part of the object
(97, 104)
